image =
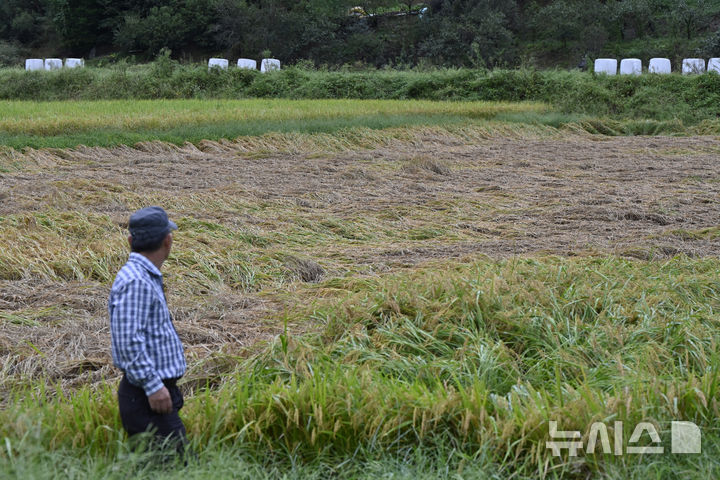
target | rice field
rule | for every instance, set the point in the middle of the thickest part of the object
(409, 302)
(66, 124)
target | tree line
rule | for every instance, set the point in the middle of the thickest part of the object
(479, 33)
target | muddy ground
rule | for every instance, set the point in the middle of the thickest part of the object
(436, 197)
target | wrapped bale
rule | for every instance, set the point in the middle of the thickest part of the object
(221, 63)
(714, 65)
(74, 63)
(53, 64)
(247, 63)
(630, 66)
(269, 64)
(34, 64)
(608, 66)
(660, 65)
(693, 65)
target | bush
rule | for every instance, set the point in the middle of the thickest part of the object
(711, 46)
(690, 99)
(11, 54)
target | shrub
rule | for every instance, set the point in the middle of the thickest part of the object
(662, 98)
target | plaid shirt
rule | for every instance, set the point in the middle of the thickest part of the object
(145, 344)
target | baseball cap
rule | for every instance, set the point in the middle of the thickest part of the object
(150, 224)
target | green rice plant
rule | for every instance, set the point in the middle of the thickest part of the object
(461, 362)
(648, 104)
(475, 358)
(48, 118)
(107, 123)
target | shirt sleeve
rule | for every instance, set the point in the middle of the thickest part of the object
(129, 321)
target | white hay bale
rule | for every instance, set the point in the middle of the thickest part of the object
(218, 63)
(630, 66)
(269, 64)
(53, 63)
(714, 65)
(693, 65)
(607, 66)
(34, 64)
(74, 63)
(247, 63)
(660, 65)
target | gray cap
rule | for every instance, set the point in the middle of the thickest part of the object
(150, 224)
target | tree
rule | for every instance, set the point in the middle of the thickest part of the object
(570, 25)
(176, 25)
(411, 3)
(79, 23)
(25, 21)
(462, 32)
(291, 30)
(634, 14)
(690, 17)
(711, 46)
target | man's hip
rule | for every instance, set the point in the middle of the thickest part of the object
(138, 417)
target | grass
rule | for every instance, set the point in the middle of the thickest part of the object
(448, 367)
(472, 359)
(617, 105)
(237, 463)
(51, 118)
(109, 123)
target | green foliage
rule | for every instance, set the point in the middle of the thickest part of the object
(10, 54)
(173, 25)
(609, 105)
(27, 23)
(711, 45)
(379, 32)
(578, 25)
(689, 17)
(79, 22)
(109, 123)
(619, 104)
(471, 33)
(465, 363)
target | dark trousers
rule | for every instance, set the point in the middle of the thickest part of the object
(137, 417)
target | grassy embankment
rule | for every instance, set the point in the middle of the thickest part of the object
(648, 104)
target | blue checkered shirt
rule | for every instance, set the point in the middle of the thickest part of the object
(145, 344)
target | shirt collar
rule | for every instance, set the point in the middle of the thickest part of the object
(147, 264)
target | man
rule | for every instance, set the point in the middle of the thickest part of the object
(145, 345)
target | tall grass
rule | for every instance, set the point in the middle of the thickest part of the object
(106, 123)
(50, 118)
(622, 105)
(473, 359)
(658, 97)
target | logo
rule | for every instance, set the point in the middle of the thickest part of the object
(685, 438)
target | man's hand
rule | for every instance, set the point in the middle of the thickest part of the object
(160, 401)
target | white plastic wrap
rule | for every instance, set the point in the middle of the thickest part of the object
(607, 66)
(693, 65)
(34, 64)
(74, 63)
(660, 65)
(218, 63)
(247, 63)
(269, 64)
(714, 65)
(630, 66)
(53, 63)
